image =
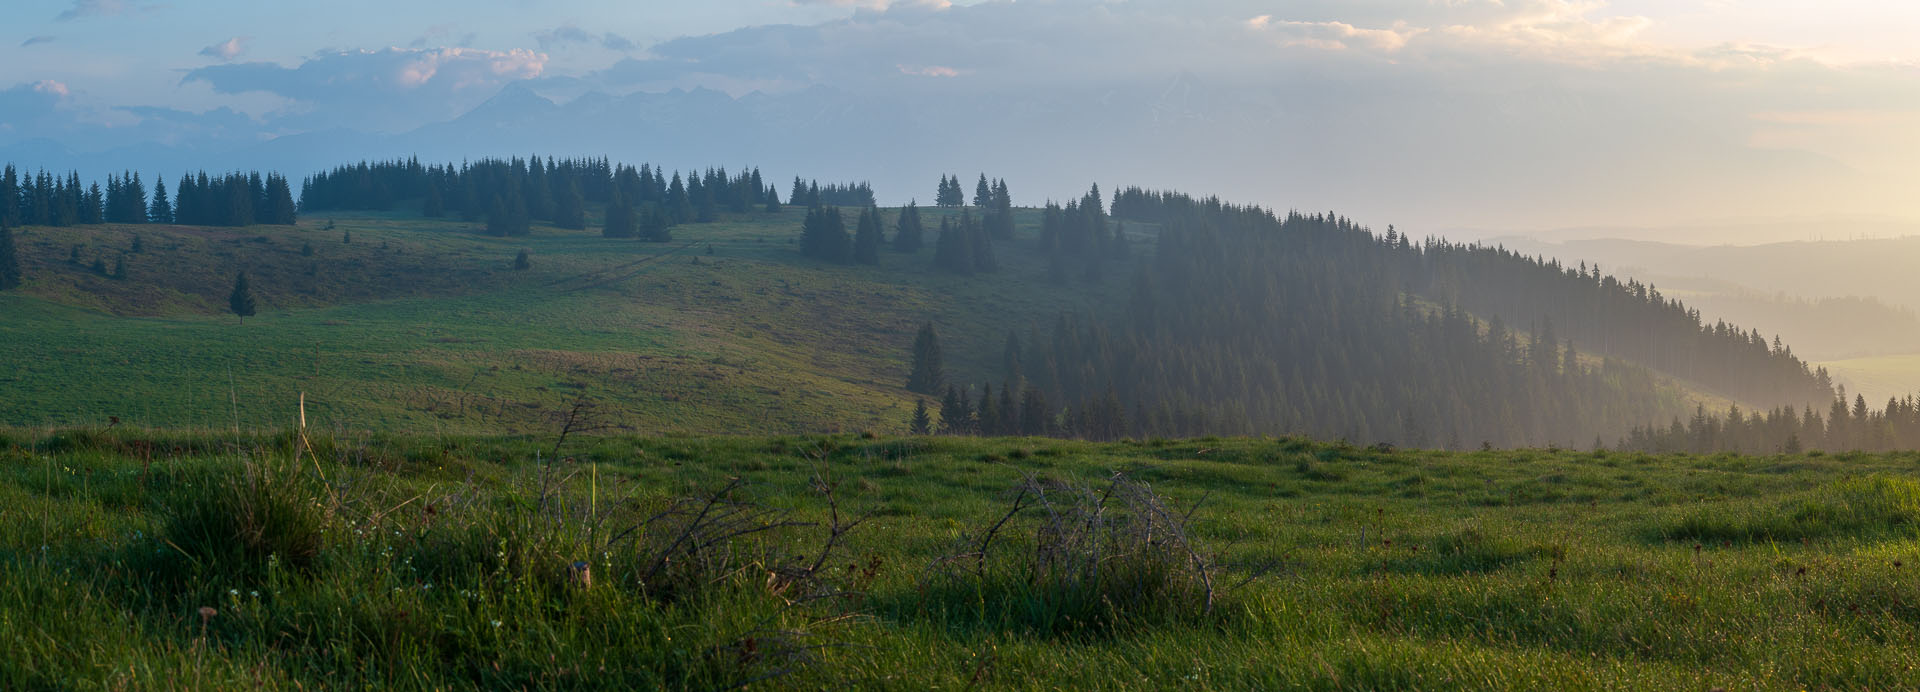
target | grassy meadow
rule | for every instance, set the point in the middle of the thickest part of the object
(139, 560)
(447, 521)
(393, 322)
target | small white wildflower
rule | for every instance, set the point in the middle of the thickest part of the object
(496, 623)
(233, 592)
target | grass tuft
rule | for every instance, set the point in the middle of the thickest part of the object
(1868, 507)
(236, 523)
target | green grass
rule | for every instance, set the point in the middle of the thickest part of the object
(421, 325)
(433, 562)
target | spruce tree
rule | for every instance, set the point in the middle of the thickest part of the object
(280, 209)
(953, 250)
(956, 413)
(983, 193)
(621, 221)
(929, 370)
(868, 237)
(798, 197)
(980, 247)
(823, 236)
(655, 227)
(522, 261)
(241, 300)
(9, 260)
(773, 200)
(679, 207)
(706, 208)
(435, 206)
(921, 423)
(908, 234)
(570, 208)
(10, 197)
(1035, 418)
(499, 221)
(120, 268)
(986, 416)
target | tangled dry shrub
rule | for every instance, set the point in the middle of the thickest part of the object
(1067, 558)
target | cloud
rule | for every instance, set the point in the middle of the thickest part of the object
(1431, 112)
(34, 109)
(443, 35)
(48, 87)
(1495, 112)
(615, 42)
(36, 40)
(880, 5)
(228, 49)
(1335, 35)
(384, 90)
(929, 71)
(568, 35)
(101, 8)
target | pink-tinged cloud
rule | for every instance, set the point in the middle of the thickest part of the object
(928, 71)
(51, 88)
(228, 49)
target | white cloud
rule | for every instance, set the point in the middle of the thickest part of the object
(881, 5)
(928, 71)
(385, 90)
(228, 49)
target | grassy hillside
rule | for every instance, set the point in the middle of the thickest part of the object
(134, 560)
(423, 325)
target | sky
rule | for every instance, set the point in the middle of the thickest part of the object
(1495, 114)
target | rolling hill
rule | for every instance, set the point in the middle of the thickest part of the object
(1173, 315)
(423, 325)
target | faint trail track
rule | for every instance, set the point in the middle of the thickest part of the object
(592, 279)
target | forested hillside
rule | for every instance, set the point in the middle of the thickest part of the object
(1158, 314)
(1245, 322)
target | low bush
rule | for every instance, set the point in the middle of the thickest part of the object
(1068, 559)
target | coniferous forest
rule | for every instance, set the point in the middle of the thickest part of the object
(233, 199)
(1249, 322)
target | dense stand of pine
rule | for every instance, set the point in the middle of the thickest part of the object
(1245, 321)
(234, 199)
(1782, 429)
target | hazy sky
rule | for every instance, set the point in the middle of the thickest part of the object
(1497, 113)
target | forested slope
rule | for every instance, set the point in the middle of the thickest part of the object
(1159, 314)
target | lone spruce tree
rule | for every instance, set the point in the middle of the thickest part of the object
(922, 422)
(929, 373)
(241, 300)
